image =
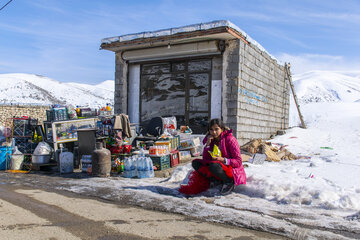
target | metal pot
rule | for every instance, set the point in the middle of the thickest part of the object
(41, 159)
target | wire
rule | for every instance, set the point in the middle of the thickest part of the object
(5, 5)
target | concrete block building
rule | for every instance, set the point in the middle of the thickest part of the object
(199, 72)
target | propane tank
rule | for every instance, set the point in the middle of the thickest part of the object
(101, 161)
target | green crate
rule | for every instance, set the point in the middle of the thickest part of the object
(161, 162)
(57, 114)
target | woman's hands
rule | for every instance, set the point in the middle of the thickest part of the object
(209, 139)
(221, 159)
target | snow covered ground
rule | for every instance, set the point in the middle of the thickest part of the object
(317, 196)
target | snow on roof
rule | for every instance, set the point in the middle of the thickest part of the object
(184, 29)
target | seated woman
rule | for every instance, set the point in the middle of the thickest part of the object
(227, 168)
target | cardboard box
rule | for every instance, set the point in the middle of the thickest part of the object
(190, 143)
(184, 155)
(167, 144)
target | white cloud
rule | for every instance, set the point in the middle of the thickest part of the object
(309, 62)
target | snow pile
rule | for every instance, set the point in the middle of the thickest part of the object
(35, 89)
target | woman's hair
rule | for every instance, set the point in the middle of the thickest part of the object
(218, 122)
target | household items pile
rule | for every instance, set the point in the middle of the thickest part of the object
(68, 141)
(63, 113)
(18, 140)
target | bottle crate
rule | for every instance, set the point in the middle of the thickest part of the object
(161, 162)
(174, 158)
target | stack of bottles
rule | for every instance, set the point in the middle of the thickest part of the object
(158, 150)
(138, 166)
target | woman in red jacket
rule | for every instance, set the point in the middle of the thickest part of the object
(228, 168)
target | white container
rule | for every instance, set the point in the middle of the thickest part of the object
(66, 162)
(17, 161)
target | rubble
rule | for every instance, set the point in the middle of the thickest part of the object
(272, 151)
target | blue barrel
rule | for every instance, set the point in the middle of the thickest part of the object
(3, 151)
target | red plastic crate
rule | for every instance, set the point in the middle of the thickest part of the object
(174, 158)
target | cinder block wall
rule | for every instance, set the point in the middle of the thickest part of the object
(257, 92)
(230, 82)
(19, 110)
(121, 72)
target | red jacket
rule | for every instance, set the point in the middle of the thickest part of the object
(230, 149)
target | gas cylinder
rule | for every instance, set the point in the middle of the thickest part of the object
(101, 161)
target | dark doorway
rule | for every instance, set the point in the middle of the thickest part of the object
(177, 88)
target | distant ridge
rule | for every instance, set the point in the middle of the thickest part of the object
(21, 88)
(327, 86)
(314, 86)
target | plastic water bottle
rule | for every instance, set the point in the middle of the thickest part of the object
(150, 169)
(144, 167)
(142, 152)
(139, 167)
(133, 167)
(126, 167)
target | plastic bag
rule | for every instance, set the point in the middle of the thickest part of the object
(42, 149)
(71, 112)
(169, 125)
(216, 152)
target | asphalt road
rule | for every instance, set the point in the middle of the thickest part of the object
(28, 212)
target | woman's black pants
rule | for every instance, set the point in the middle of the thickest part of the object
(215, 169)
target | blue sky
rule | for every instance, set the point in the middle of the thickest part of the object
(60, 39)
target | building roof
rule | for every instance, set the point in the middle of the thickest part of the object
(221, 29)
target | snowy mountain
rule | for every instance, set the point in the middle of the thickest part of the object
(36, 89)
(326, 86)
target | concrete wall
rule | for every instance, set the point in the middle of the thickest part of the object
(121, 75)
(18, 110)
(255, 93)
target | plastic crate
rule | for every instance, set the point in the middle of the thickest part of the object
(175, 142)
(88, 112)
(57, 114)
(21, 127)
(5, 158)
(174, 158)
(161, 162)
(24, 145)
